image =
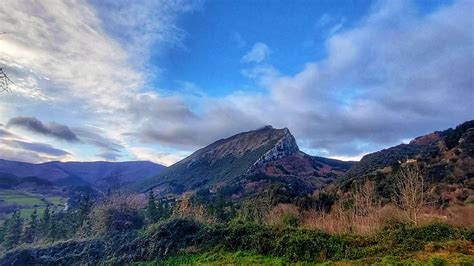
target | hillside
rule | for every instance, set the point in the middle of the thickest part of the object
(255, 196)
(247, 163)
(100, 175)
(447, 158)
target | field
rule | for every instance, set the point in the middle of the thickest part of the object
(27, 202)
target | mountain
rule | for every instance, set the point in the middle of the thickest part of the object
(447, 158)
(247, 163)
(100, 175)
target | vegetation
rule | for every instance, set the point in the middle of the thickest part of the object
(392, 216)
(26, 203)
(276, 227)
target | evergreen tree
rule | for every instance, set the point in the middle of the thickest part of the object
(151, 212)
(32, 230)
(3, 229)
(53, 231)
(45, 222)
(14, 230)
(85, 207)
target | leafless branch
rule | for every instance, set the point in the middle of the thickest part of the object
(5, 82)
(410, 191)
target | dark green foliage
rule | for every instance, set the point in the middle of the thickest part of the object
(402, 238)
(151, 211)
(290, 220)
(53, 231)
(453, 135)
(168, 238)
(13, 232)
(45, 222)
(32, 230)
(123, 219)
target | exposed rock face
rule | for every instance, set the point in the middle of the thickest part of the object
(285, 146)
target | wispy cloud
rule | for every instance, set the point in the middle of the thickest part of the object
(81, 63)
(257, 54)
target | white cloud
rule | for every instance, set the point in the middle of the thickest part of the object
(257, 54)
(148, 154)
(68, 66)
(396, 75)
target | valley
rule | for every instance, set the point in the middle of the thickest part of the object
(273, 203)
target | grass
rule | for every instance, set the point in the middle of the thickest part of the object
(56, 200)
(28, 202)
(246, 258)
(219, 258)
(20, 198)
(26, 212)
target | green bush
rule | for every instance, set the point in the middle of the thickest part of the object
(173, 237)
(437, 261)
(290, 219)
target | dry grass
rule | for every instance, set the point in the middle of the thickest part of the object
(277, 214)
(461, 216)
(341, 220)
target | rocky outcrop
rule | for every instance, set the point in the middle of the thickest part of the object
(285, 146)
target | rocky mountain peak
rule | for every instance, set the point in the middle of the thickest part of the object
(271, 142)
(285, 146)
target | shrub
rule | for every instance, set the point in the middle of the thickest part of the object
(117, 214)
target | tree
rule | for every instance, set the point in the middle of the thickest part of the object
(45, 222)
(32, 229)
(14, 230)
(53, 230)
(5, 82)
(151, 212)
(409, 191)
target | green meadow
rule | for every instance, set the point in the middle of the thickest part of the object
(28, 202)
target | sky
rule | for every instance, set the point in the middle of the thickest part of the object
(120, 80)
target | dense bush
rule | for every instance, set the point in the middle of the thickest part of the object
(177, 236)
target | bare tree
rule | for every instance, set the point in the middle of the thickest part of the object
(5, 82)
(409, 191)
(365, 198)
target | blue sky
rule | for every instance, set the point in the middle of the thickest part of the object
(223, 31)
(155, 80)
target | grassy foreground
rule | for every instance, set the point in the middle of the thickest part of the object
(188, 242)
(246, 258)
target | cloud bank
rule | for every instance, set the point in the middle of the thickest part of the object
(395, 75)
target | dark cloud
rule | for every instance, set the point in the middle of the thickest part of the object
(41, 148)
(52, 129)
(169, 121)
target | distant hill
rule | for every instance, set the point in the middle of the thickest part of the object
(246, 163)
(100, 175)
(447, 157)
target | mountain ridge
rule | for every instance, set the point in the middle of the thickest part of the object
(95, 173)
(254, 158)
